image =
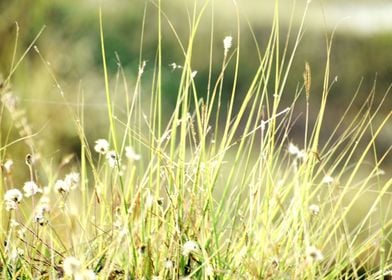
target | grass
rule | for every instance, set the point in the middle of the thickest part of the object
(215, 191)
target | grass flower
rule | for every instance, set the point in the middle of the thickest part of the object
(131, 154)
(71, 266)
(13, 195)
(30, 188)
(12, 198)
(169, 264)
(314, 255)
(101, 146)
(62, 186)
(72, 179)
(327, 180)
(42, 208)
(295, 151)
(189, 247)
(314, 209)
(227, 43)
(112, 159)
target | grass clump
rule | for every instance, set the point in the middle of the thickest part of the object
(218, 190)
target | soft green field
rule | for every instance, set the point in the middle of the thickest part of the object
(177, 173)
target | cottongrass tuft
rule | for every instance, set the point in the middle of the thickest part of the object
(169, 264)
(101, 146)
(295, 151)
(189, 247)
(30, 188)
(12, 198)
(314, 209)
(313, 254)
(131, 154)
(327, 180)
(41, 210)
(71, 266)
(112, 159)
(227, 43)
(69, 183)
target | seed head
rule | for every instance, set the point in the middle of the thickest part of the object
(62, 186)
(227, 43)
(131, 154)
(72, 179)
(327, 180)
(112, 159)
(314, 209)
(189, 247)
(71, 266)
(313, 254)
(13, 195)
(31, 188)
(101, 146)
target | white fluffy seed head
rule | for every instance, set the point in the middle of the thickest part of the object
(101, 146)
(131, 154)
(30, 188)
(227, 43)
(189, 247)
(71, 266)
(313, 254)
(12, 198)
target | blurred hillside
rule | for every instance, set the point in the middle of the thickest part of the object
(70, 42)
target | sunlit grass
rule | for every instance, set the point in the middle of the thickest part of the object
(214, 189)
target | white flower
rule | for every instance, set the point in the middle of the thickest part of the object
(327, 180)
(62, 186)
(39, 218)
(14, 195)
(193, 74)
(30, 188)
(189, 247)
(293, 150)
(72, 179)
(314, 209)
(112, 159)
(169, 264)
(8, 165)
(101, 146)
(12, 198)
(42, 208)
(227, 43)
(131, 154)
(71, 266)
(313, 254)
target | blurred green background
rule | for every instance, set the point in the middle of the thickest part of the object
(70, 42)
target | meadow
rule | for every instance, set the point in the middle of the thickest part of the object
(211, 186)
